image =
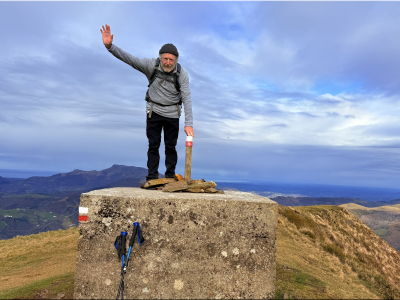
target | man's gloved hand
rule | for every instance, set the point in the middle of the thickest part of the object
(107, 36)
(189, 131)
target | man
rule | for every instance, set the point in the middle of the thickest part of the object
(166, 92)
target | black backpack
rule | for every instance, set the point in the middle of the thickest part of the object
(165, 76)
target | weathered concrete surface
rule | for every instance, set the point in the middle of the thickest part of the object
(197, 245)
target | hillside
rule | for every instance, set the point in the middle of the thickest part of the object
(76, 180)
(305, 201)
(322, 252)
(337, 255)
(384, 220)
(39, 204)
(31, 265)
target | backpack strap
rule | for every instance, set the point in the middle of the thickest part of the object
(153, 75)
(177, 76)
(177, 84)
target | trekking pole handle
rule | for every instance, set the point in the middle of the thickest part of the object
(135, 231)
(123, 242)
(139, 234)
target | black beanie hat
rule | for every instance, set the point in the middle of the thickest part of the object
(169, 48)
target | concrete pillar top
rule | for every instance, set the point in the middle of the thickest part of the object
(138, 193)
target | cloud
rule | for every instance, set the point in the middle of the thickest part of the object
(291, 88)
(300, 44)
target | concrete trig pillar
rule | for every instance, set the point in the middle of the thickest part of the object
(196, 245)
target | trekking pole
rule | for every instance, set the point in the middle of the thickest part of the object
(188, 160)
(120, 244)
(137, 231)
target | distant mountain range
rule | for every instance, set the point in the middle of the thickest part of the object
(39, 204)
(74, 181)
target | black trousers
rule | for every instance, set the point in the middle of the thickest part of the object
(154, 127)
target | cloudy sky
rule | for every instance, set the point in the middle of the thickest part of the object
(305, 92)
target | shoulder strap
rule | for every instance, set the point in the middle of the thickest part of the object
(177, 76)
(153, 75)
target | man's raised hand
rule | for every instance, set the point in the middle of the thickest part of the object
(107, 36)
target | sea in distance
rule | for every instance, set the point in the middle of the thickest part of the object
(272, 189)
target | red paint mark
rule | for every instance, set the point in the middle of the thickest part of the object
(189, 144)
(82, 218)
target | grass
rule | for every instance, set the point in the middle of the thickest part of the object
(28, 259)
(46, 288)
(15, 213)
(335, 250)
(295, 282)
(335, 255)
(352, 206)
(380, 219)
(309, 233)
(34, 217)
(381, 232)
(3, 225)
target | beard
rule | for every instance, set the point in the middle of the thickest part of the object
(168, 68)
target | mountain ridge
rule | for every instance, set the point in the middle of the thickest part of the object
(39, 204)
(74, 180)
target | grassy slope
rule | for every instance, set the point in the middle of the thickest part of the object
(353, 206)
(384, 220)
(326, 252)
(322, 252)
(30, 263)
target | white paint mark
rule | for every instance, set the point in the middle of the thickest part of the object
(238, 266)
(178, 285)
(107, 282)
(253, 251)
(145, 290)
(235, 251)
(220, 234)
(224, 253)
(83, 210)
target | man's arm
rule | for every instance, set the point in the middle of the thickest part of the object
(187, 103)
(144, 65)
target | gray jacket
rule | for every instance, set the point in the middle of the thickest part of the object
(162, 91)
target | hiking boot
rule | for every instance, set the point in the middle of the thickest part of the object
(169, 176)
